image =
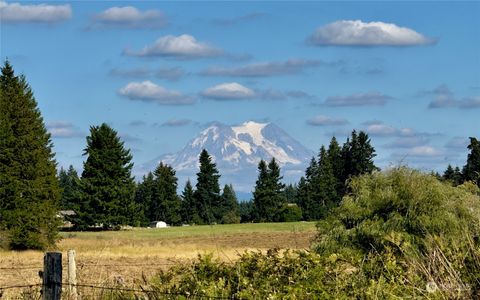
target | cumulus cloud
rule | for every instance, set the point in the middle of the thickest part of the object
(182, 46)
(35, 13)
(263, 69)
(176, 122)
(229, 91)
(326, 121)
(239, 19)
(443, 97)
(380, 129)
(148, 91)
(359, 33)
(128, 17)
(424, 151)
(62, 129)
(359, 99)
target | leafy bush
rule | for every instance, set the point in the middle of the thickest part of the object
(405, 228)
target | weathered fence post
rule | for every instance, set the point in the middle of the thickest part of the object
(72, 275)
(52, 276)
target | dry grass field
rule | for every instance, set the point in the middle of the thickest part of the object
(106, 257)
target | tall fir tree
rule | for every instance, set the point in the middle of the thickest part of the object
(144, 196)
(357, 155)
(334, 153)
(228, 212)
(471, 171)
(207, 192)
(108, 188)
(29, 190)
(188, 208)
(71, 190)
(165, 201)
(327, 184)
(268, 196)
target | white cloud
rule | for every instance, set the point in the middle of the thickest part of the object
(326, 121)
(35, 13)
(424, 151)
(228, 91)
(443, 97)
(263, 69)
(148, 91)
(358, 33)
(359, 99)
(182, 46)
(62, 129)
(129, 17)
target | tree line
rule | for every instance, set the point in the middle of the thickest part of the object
(105, 194)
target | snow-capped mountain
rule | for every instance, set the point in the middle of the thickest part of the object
(237, 150)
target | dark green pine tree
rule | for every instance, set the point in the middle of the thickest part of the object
(291, 191)
(29, 191)
(453, 175)
(268, 196)
(165, 201)
(326, 184)
(308, 191)
(71, 189)
(471, 171)
(357, 156)
(108, 188)
(334, 153)
(143, 198)
(207, 192)
(229, 206)
(187, 207)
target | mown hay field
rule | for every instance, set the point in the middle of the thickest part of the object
(130, 255)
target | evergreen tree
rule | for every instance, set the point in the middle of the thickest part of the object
(107, 184)
(308, 190)
(229, 206)
(207, 192)
(165, 202)
(188, 208)
(246, 209)
(357, 156)
(327, 191)
(143, 198)
(471, 171)
(29, 191)
(291, 192)
(71, 191)
(334, 153)
(268, 196)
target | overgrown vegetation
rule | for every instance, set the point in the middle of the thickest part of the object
(398, 234)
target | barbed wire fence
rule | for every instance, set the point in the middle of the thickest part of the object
(83, 291)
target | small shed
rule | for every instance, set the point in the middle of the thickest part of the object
(158, 224)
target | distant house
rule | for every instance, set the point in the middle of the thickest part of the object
(158, 224)
(63, 215)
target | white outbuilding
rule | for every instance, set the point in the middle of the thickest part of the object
(158, 224)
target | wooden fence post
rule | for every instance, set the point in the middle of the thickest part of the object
(72, 276)
(52, 276)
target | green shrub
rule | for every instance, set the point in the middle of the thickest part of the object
(406, 230)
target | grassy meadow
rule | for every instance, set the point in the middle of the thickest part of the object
(103, 257)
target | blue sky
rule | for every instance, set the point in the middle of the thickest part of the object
(406, 72)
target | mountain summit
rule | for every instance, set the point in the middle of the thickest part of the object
(237, 150)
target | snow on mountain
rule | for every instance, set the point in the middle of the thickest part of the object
(237, 150)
